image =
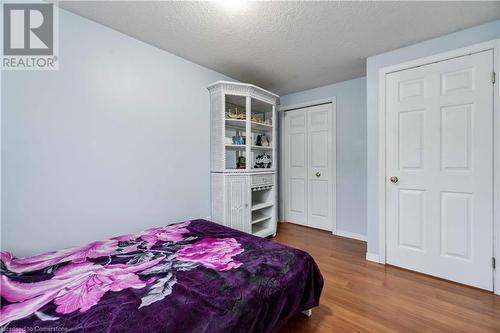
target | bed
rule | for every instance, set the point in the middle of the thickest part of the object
(194, 276)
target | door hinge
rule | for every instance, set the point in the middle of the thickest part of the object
(493, 77)
(493, 262)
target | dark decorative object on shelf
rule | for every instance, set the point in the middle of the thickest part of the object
(241, 163)
(263, 161)
(262, 140)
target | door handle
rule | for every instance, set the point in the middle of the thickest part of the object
(394, 179)
(318, 174)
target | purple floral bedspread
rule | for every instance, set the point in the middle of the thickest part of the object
(194, 276)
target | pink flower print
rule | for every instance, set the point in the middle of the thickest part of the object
(75, 254)
(97, 249)
(215, 253)
(76, 286)
(171, 233)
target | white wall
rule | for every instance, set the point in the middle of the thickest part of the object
(445, 43)
(115, 141)
(351, 148)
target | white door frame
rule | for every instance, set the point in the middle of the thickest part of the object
(489, 45)
(282, 173)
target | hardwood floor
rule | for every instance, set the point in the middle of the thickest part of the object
(361, 296)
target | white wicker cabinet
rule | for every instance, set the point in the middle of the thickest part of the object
(243, 157)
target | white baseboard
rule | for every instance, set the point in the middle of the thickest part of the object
(352, 235)
(373, 257)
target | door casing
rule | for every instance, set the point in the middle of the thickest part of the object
(282, 174)
(381, 183)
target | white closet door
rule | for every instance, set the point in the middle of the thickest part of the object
(319, 167)
(296, 167)
(439, 146)
(308, 165)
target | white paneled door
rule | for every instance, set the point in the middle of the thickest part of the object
(439, 152)
(308, 166)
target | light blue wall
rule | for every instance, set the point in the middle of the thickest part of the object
(115, 141)
(351, 148)
(445, 43)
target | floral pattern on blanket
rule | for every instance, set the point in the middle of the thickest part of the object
(77, 278)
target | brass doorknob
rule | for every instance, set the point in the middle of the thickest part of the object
(394, 179)
(318, 174)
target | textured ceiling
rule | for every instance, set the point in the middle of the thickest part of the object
(285, 46)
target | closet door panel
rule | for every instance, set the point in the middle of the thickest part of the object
(320, 153)
(295, 164)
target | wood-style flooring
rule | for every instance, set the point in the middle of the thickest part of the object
(361, 296)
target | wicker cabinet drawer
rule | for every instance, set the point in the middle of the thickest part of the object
(262, 180)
